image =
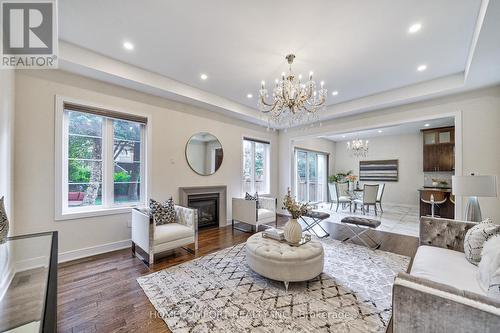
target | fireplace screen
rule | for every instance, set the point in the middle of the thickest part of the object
(208, 208)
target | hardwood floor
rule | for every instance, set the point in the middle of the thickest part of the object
(101, 294)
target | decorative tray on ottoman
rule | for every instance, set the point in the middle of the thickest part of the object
(305, 239)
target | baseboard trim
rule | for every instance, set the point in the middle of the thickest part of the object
(94, 250)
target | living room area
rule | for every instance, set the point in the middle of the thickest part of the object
(240, 174)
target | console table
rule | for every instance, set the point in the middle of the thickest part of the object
(28, 285)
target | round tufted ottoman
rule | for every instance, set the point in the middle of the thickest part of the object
(283, 262)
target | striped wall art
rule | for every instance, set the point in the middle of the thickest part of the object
(378, 171)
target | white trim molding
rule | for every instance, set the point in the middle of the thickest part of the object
(61, 148)
(94, 250)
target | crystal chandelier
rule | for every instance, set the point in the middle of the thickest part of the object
(293, 101)
(358, 148)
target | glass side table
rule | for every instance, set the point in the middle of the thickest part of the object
(28, 293)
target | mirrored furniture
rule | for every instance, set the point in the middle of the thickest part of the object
(204, 153)
(28, 285)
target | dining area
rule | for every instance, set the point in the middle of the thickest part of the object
(347, 194)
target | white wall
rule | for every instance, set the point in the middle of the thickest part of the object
(480, 119)
(408, 149)
(7, 79)
(172, 124)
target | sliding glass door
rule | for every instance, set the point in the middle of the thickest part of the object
(310, 175)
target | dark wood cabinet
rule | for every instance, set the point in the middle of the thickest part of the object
(439, 149)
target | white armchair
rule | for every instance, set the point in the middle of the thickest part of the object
(153, 239)
(246, 211)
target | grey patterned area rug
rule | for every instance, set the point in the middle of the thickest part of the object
(220, 293)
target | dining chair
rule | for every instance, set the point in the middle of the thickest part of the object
(369, 199)
(380, 193)
(343, 189)
(337, 197)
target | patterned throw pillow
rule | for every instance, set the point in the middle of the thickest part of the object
(475, 238)
(4, 222)
(163, 213)
(255, 197)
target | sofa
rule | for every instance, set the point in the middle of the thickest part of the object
(442, 293)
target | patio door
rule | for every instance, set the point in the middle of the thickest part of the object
(311, 175)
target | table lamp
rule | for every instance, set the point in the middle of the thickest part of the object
(473, 187)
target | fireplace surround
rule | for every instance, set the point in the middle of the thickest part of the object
(221, 190)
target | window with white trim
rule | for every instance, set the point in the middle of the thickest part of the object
(311, 173)
(256, 166)
(103, 160)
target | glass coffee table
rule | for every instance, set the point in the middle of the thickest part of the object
(28, 290)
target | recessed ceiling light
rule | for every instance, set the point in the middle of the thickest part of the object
(427, 125)
(249, 95)
(380, 131)
(128, 46)
(335, 93)
(415, 28)
(343, 136)
(421, 68)
(203, 76)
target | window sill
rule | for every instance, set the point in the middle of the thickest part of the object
(80, 214)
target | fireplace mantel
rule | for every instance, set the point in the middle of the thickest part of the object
(184, 192)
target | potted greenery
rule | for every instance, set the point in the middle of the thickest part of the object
(339, 177)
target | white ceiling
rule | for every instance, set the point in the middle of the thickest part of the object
(407, 128)
(360, 48)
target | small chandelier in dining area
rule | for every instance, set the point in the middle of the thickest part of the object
(293, 102)
(358, 147)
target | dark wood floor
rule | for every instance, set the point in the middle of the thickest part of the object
(101, 294)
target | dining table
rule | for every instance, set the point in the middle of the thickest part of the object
(356, 193)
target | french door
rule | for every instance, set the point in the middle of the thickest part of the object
(311, 175)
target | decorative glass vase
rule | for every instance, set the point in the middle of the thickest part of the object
(293, 231)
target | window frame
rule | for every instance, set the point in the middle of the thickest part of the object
(267, 163)
(108, 206)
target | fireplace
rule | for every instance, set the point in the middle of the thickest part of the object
(207, 205)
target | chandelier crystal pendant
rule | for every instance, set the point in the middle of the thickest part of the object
(293, 101)
(358, 148)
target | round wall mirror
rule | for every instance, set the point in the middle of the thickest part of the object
(204, 153)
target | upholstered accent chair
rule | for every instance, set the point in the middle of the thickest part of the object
(441, 293)
(370, 193)
(153, 239)
(338, 196)
(254, 213)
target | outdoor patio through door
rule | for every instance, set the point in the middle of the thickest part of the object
(310, 175)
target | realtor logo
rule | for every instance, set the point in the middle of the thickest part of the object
(29, 34)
